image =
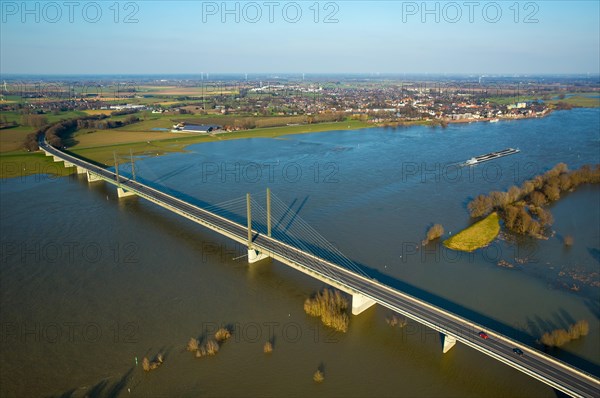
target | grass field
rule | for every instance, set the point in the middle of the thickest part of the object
(478, 235)
(140, 137)
(103, 145)
(20, 164)
(187, 91)
(99, 111)
(149, 124)
(510, 99)
(12, 139)
(166, 103)
(92, 138)
(15, 116)
(578, 101)
(583, 100)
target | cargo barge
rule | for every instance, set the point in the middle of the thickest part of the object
(491, 156)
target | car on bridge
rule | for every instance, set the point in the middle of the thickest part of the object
(518, 351)
(484, 335)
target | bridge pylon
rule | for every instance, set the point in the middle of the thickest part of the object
(121, 193)
(253, 254)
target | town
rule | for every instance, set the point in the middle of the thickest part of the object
(384, 102)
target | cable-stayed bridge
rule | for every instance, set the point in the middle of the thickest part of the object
(291, 241)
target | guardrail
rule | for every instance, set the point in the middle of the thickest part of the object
(283, 255)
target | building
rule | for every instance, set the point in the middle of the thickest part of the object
(127, 107)
(196, 128)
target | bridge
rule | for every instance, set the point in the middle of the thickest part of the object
(339, 272)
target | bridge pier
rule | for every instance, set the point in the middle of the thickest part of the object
(57, 159)
(360, 303)
(121, 193)
(80, 170)
(449, 342)
(255, 256)
(92, 177)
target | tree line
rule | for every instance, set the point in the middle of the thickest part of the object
(31, 140)
(57, 134)
(522, 207)
(99, 122)
(560, 337)
(4, 123)
(33, 120)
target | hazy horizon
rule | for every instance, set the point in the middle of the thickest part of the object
(343, 37)
(312, 74)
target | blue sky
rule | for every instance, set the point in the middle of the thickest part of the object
(484, 37)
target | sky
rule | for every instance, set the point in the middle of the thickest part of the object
(179, 37)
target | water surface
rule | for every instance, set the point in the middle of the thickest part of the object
(89, 282)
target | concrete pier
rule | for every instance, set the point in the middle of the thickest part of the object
(360, 303)
(92, 177)
(449, 342)
(121, 193)
(255, 256)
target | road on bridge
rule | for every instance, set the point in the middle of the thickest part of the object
(535, 363)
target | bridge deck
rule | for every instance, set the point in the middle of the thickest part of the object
(555, 373)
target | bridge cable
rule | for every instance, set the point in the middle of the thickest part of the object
(294, 242)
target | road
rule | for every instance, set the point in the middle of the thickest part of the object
(535, 363)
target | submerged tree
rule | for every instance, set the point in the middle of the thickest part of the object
(433, 233)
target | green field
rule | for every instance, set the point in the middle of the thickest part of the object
(508, 100)
(15, 116)
(478, 235)
(579, 101)
(11, 139)
(21, 164)
(102, 151)
(583, 100)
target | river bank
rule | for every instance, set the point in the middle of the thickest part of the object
(20, 163)
(100, 146)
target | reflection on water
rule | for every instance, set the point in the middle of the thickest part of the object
(89, 282)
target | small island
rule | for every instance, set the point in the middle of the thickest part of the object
(478, 235)
(522, 209)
